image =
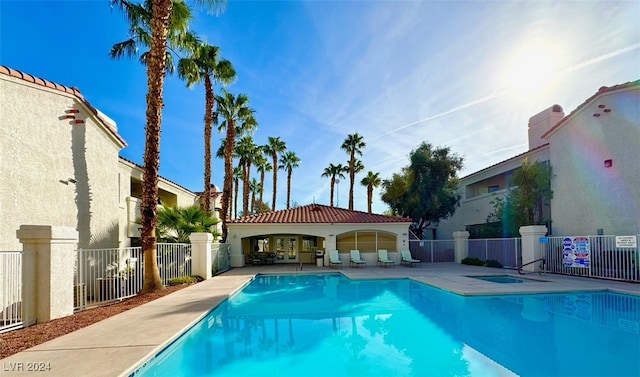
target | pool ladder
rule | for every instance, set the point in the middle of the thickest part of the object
(542, 266)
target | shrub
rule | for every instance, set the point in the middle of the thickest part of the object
(472, 261)
(493, 263)
(185, 280)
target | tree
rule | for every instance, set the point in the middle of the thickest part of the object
(175, 224)
(274, 147)
(254, 187)
(353, 145)
(288, 162)
(154, 24)
(334, 172)
(263, 165)
(204, 64)
(371, 181)
(235, 112)
(237, 176)
(425, 191)
(529, 190)
(246, 151)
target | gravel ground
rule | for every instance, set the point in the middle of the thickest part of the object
(19, 340)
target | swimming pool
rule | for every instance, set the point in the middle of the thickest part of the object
(328, 325)
(505, 279)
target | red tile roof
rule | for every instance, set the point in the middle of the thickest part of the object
(318, 214)
(73, 91)
(601, 91)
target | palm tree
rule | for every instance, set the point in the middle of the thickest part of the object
(236, 113)
(205, 65)
(237, 176)
(371, 181)
(353, 145)
(334, 171)
(246, 151)
(177, 224)
(263, 165)
(154, 24)
(288, 162)
(275, 146)
(254, 187)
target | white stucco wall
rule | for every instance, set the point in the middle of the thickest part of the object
(40, 151)
(587, 195)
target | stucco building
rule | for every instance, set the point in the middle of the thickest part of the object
(594, 154)
(59, 165)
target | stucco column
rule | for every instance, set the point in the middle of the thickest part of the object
(235, 252)
(47, 271)
(531, 249)
(460, 245)
(201, 257)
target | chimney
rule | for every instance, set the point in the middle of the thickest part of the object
(542, 122)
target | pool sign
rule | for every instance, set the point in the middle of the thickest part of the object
(626, 242)
(576, 252)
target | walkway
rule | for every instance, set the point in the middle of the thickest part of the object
(115, 346)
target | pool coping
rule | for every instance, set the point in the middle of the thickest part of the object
(120, 345)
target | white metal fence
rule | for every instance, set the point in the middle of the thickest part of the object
(11, 290)
(220, 258)
(106, 275)
(432, 251)
(606, 258)
(507, 251)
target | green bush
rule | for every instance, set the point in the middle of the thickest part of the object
(472, 261)
(493, 263)
(185, 280)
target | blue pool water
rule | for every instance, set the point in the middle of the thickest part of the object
(504, 279)
(328, 325)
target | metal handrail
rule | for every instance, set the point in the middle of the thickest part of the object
(534, 261)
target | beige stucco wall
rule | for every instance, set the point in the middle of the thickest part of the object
(587, 195)
(40, 151)
(328, 231)
(475, 210)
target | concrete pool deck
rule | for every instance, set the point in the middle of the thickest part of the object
(115, 346)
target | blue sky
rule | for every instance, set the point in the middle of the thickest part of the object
(463, 74)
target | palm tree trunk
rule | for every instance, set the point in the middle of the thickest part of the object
(261, 187)
(245, 188)
(275, 180)
(228, 174)
(208, 121)
(369, 197)
(333, 182)
(289, 188)
(352, 177)
(156, 67)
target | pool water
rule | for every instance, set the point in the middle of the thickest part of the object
(328, 325)
(504, 279)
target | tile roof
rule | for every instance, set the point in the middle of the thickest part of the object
(69, 90)
(601, 91)
(318, 214)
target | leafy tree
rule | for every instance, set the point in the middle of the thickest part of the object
(176, 224)
(333, 172)
(205, 65)
(289, 161)
(529, 190)
(425, 191)
(371, 181)
(353, 145)
(236, 114)
(274, 147)
(154, 23)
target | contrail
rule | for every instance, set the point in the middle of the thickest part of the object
(501, 93)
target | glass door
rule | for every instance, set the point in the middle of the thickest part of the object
(292, 249)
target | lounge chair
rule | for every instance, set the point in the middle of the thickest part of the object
(407, 258)
(383, 258)
(334, 258)
(356, 260)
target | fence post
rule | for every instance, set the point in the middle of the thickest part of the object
(47, 272)
(460, 245)
(531, 245)
(201, 254)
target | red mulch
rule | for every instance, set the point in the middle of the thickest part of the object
(19, 340)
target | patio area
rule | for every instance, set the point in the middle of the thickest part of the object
(115, 346)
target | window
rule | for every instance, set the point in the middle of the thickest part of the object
(493, 188)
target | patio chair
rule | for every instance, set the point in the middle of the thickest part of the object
(407, 258)
(356, 260)
(383, 258)
(334, 258)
